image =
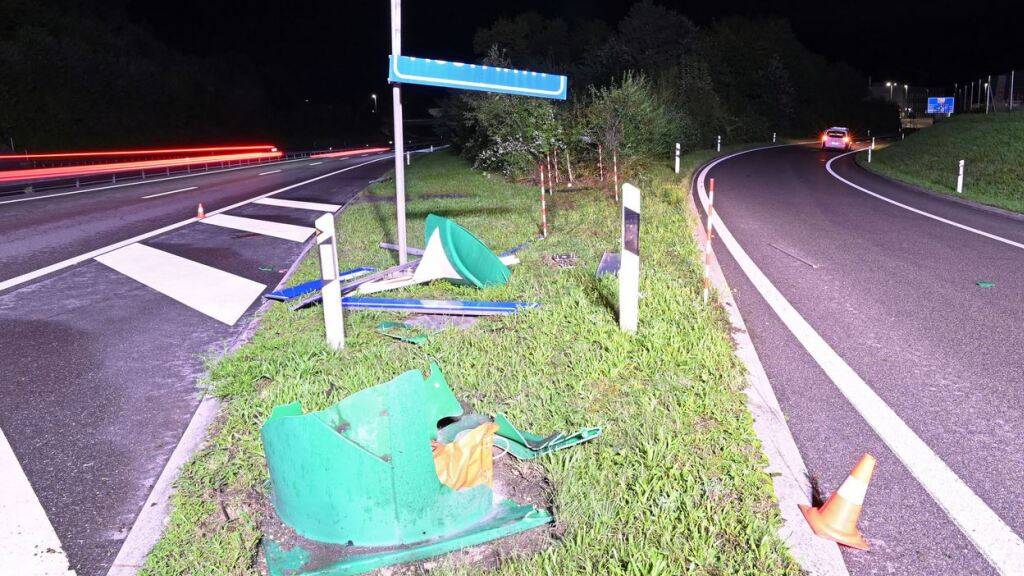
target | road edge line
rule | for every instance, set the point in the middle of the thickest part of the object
(151, 521)
(918, 211)
(816, 556)
(989, 533)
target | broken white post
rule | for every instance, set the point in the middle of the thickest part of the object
(331, 292)
(629, 266)
(718, 146)
(960, 179)
(677, 157)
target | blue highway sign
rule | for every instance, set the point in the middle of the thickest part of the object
(941, 105)
(429, 72)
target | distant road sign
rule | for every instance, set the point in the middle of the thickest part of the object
(941, 105)
(429, 72)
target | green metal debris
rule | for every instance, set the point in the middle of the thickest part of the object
(467, 254)
(521, 444)
(358, 479)
(404, 332)
(986, 284)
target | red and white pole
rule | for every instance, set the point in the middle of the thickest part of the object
(543, 205)
(707, 244)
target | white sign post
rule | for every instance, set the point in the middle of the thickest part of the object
(331, 291)
(629, 267)
(396, 95)
(677, 157)
(960, 179)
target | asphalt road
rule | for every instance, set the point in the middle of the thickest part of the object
(895, 294)
(101, 359)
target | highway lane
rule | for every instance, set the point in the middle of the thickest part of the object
(102, 359)
(894, 293)
(47, 227)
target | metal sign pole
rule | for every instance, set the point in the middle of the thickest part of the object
(396, 94)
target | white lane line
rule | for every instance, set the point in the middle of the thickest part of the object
(299, 204)
(828, 166)
(29, 276)
(171, 192)
(143, 182)
(991, 536)
(28, 542)
(216, 293)
(271, 172)
(315, 163)
(264, 227)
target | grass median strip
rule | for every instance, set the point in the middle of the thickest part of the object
(992, 146)
(674, 485)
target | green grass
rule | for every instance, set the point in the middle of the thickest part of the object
(992, 146)
(675, 484)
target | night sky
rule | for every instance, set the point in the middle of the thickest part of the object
(324, 47)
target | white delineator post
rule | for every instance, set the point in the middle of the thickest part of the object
(718, 145)
(677, 157)
(600, 161)
(327, 248)
(615, 172)
(396, 96)
(871, 149)
(629, 266)
(707, 244)
(408, 158)
(773, 137)
(960, 179)
(543, 205)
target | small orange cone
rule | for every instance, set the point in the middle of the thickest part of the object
(837, 517)
(200, 213)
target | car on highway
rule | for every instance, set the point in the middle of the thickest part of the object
(836, 138)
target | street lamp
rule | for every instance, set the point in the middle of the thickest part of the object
(374, 98)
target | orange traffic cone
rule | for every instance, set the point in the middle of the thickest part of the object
(200, 213)
(837, 517)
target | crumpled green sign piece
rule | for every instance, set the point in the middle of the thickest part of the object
(986, 284)
(521, 444)
(404, 332)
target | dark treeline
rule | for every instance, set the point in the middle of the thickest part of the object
(82, 74)
(653, 80)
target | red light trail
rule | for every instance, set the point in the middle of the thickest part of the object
(90, 169)
(343, 153)
(141, 152)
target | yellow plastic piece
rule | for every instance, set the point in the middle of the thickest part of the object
(467, 461)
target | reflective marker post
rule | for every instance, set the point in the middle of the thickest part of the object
(327, 248)
(718, 146)
(399, 136)
(960, 179)
(871, 149)
(629, 267)
(677, 157)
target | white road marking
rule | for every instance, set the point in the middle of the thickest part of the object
(171, 192)
(29, 276)
(991, 536)
(299, 204)
(216, 293)
(264, 227)
(315, 163)
(828, 166)
(271, 172)
(28, 543)
(140, 182)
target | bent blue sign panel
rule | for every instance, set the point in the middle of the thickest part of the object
(429, 72)
(940, 105)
